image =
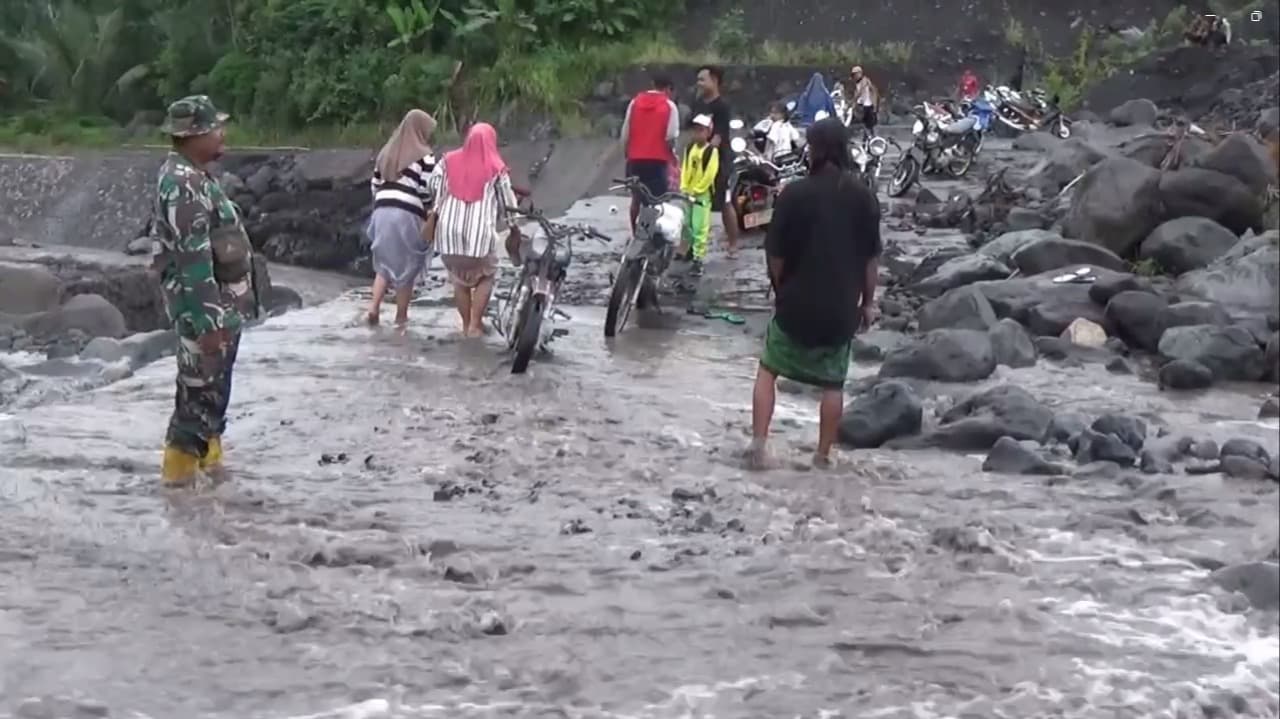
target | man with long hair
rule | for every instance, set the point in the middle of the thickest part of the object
(822, 251)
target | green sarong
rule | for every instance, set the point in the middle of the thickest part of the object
(824, 367)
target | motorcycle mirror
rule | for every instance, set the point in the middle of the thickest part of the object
(735, 124)
(821, 115)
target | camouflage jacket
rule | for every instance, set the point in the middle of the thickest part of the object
(190, 205)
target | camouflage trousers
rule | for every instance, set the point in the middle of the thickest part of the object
(204, 391)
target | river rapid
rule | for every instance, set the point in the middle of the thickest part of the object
(411, 532)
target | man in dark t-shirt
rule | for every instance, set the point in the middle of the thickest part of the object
(713, 104)
(822, 250)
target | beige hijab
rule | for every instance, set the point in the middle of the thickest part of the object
(409, 143)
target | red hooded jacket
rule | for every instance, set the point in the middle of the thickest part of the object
(647, 127)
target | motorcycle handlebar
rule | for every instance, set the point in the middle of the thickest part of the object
(634, 184)
(553, 229)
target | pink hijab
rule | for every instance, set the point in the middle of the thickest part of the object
(473, 166)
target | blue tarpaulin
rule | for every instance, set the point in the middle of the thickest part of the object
(814, 98)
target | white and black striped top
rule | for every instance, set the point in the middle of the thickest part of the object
(409, 191)
(470, 229)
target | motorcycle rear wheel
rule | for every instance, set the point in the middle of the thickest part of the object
(905, 175)
(529, 334)
(961, 162)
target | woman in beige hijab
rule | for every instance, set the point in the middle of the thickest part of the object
(401, 203)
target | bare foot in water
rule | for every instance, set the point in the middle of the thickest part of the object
(371, 318)
(758, 457)
(822, 461)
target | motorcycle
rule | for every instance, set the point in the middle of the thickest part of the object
(659, 228)
(868, 157)
(526, 316)
(941, 143)
(1028, 112)
(756, 181)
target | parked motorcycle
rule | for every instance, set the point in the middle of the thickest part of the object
(869, 155)
(526, 317)
(941, 144)
(756, 181)
(1028, 112)
(659, 228)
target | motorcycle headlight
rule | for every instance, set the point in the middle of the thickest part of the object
(738, 144)
(932, 137)
(917, 128)
(538, 245)
(878, 146)
(821, 115)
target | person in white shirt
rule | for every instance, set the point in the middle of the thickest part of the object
(865, 98)
(782, 137)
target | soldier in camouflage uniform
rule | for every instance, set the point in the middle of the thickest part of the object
(199, 242)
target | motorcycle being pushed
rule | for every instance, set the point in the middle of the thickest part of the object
(526, 316)
(941, 144)
(868, 157)
(1028, 112)
(659, 227)
(757, 180)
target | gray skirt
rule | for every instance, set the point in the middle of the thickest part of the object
(398, 249)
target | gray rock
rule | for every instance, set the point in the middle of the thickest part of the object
(962, 308)
(1186, 243)
(1239, 467)
(1270, 408)
(1259, 581)
(961, 271)
(1025, 218)
(1271, 356)
(1117, 204)
(90, 314)
(1092, 446)
(1240, 447)
(873, 345)
(139, 246)
(1243, 158)
(1130, 430)
(1246, 280)
(1067, 425)
(25, 289)
(1052, 253)
(981, 419)
(1268, 122)
(1051, 319)
(1229, 352)
(1064, 163)
(1009, 456)
(1001, 249)
(946, 355)
(1017, 296)
(1184, 374)
(1139, 111)
(1135, 318)
(138, 349)
(886, 411)
(1012, 345)
(1197, 192)
(1183, 314)
(1102, 290)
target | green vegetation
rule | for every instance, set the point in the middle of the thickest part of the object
(1147, 268)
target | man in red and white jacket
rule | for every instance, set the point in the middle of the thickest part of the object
(649, 130)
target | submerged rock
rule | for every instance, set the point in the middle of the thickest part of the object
(1009, 456)
(1259, 581)
(886, 411)
(981, 419)
(1229, 352)
(1184, 374)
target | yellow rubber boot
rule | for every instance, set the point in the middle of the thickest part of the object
(180, 466)
(212, 459)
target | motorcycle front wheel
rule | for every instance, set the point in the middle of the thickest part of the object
(622, 297)
(528, 334)
(961, 160)
(904, 176)
(1061, 128)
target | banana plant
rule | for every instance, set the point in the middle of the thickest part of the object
(414, 21)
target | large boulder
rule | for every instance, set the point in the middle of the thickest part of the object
(885, 411)
(1052, 253)
(963, 308)
(1153, 149)
(1245, 280)
(1104, 288)
(1135, 317)
(1197, 192)
(1186, 243)
(1017, 296)
(1117, 204)
(1011, 344)
(1065, 162)
(1183, 314)
(1243, 158)
(981, 419)
(1231, 353)
(1138, 111)
(91, 314)
(1001, 249)
(961, 271)
(1051, 319)
(945, 355)
(25, 289)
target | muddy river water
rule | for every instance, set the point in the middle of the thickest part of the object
(412, 532)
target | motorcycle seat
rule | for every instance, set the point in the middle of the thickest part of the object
(961, 126)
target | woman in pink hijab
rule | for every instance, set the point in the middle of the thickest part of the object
(472, 188)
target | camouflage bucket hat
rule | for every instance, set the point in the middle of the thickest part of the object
(192, 116)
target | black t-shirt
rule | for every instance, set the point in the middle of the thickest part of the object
(718, 109)
(825, 228)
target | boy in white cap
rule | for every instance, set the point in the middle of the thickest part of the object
(697, 180)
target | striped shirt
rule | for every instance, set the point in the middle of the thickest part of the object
(409, 191)
(470, 229)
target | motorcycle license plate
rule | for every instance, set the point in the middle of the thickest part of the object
(758, 219)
